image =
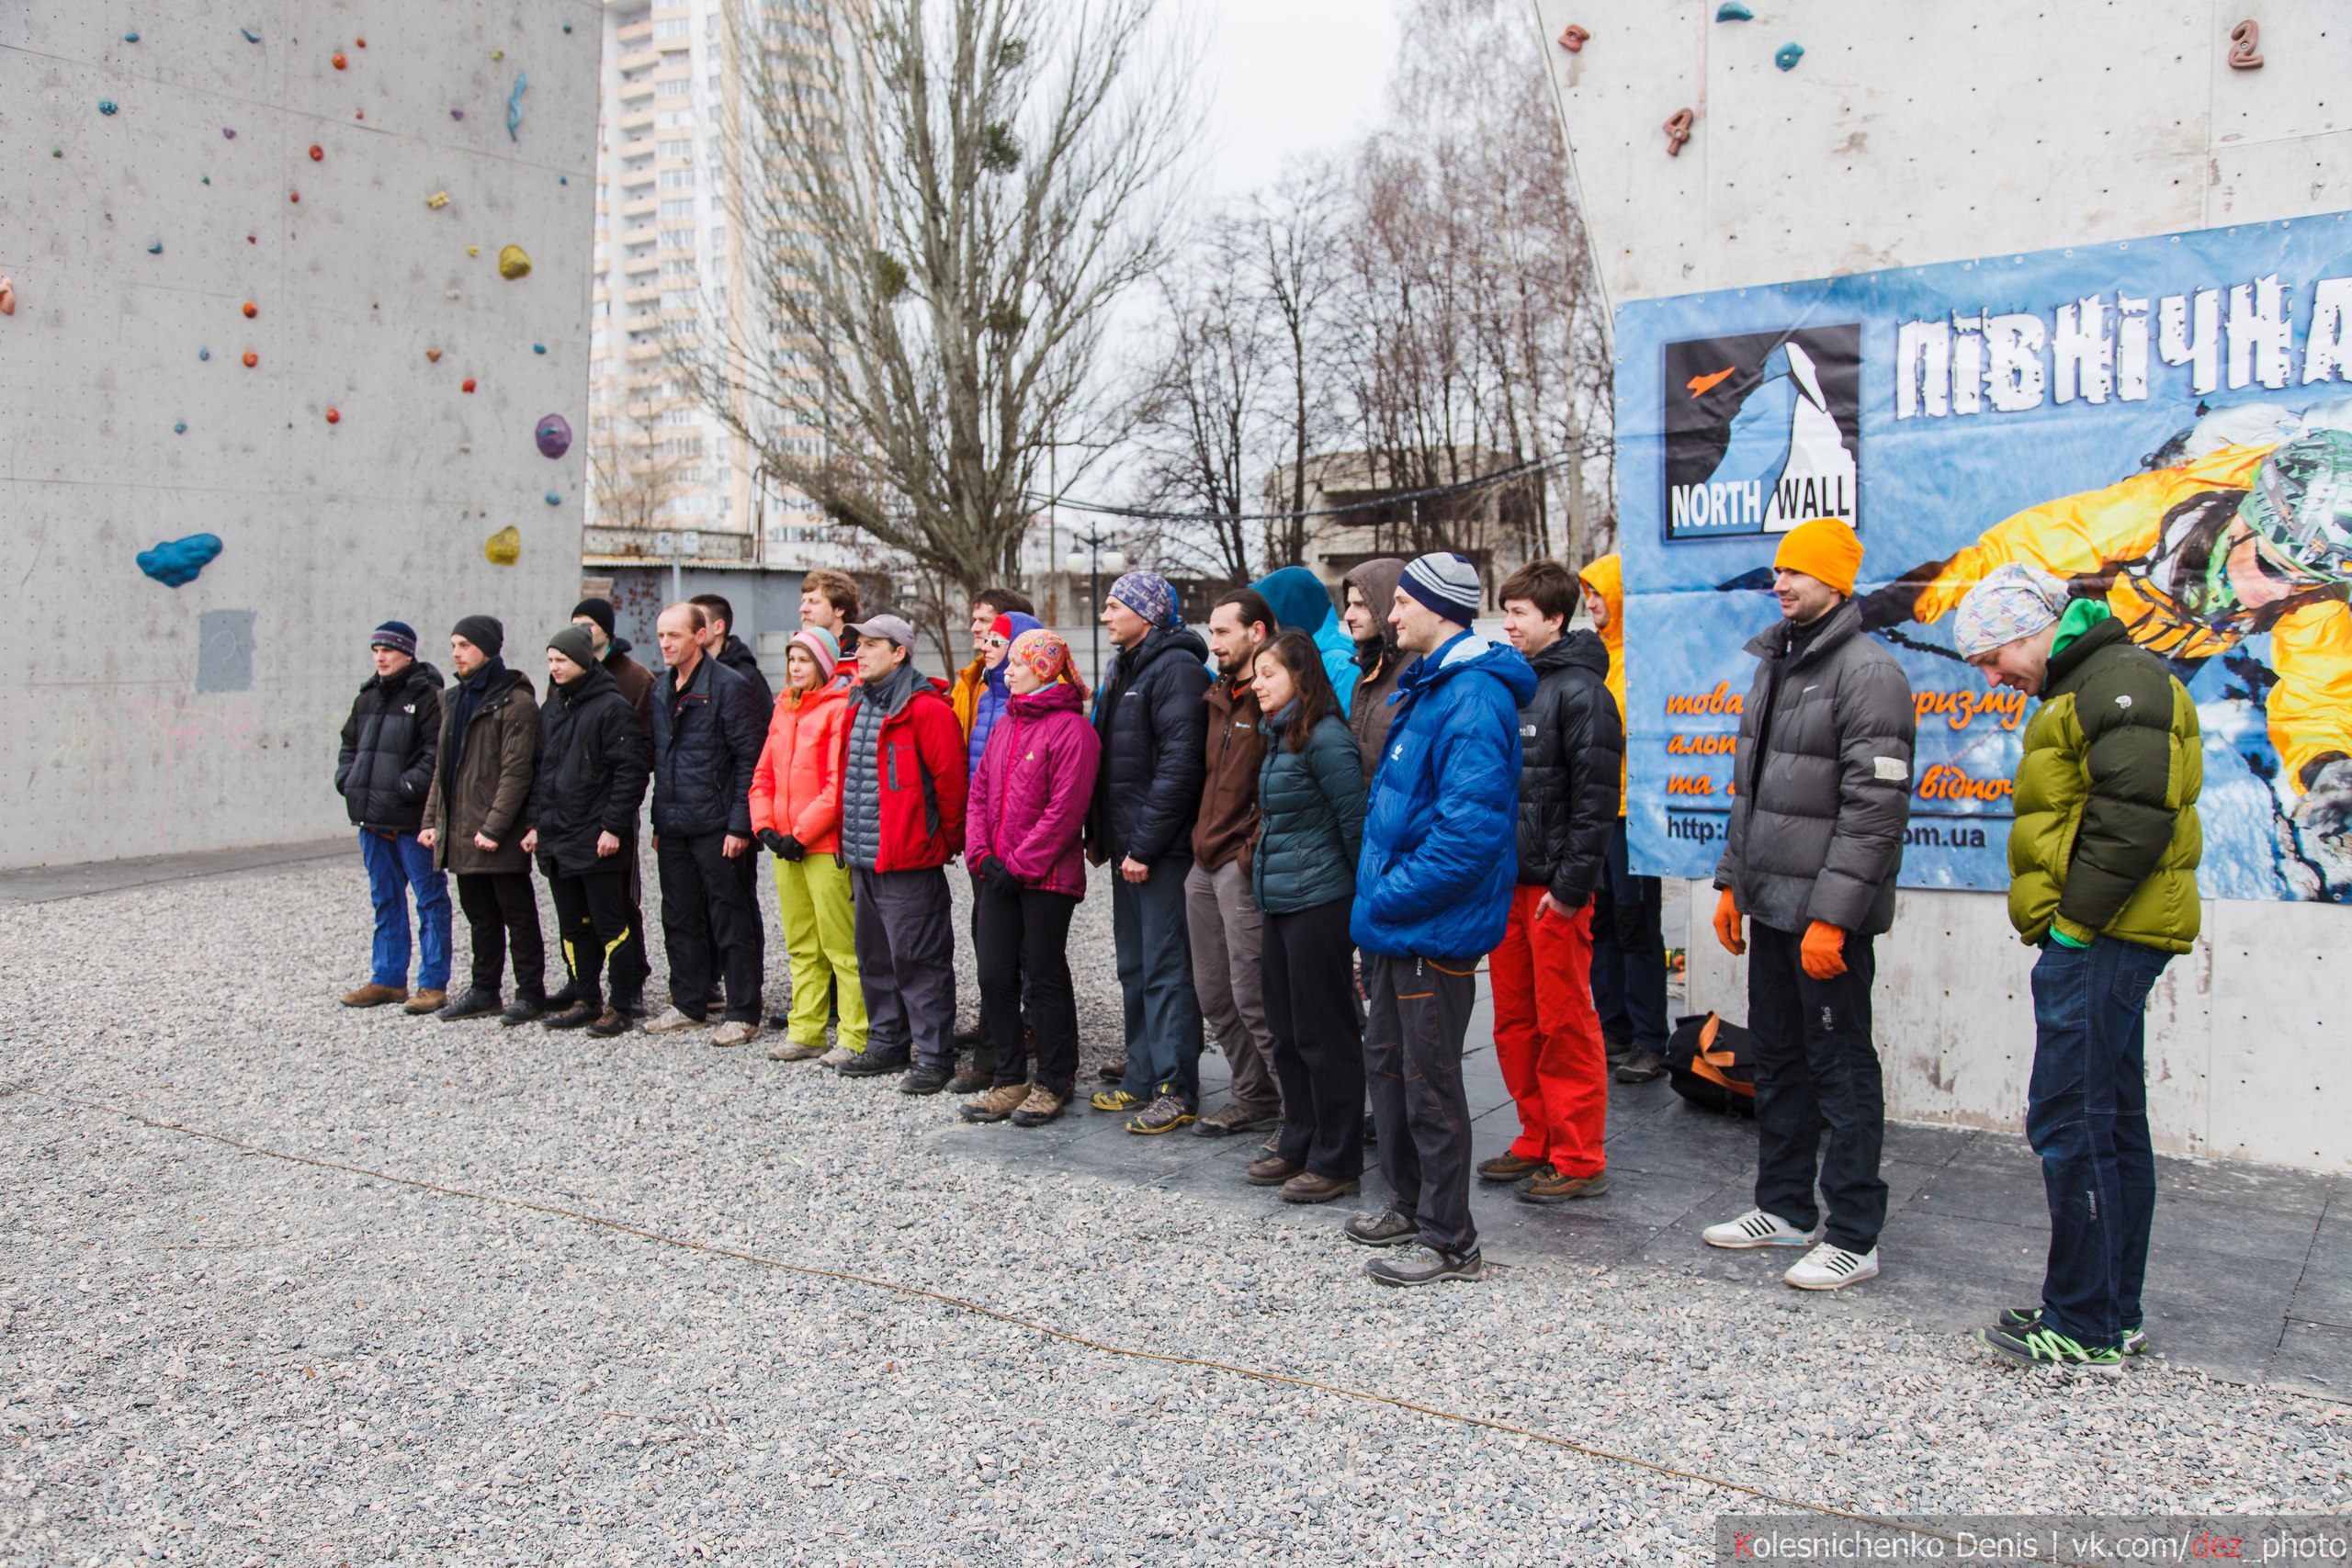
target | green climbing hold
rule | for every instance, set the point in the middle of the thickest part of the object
(1733, 11)
(1787, 56)
(251, 36)
(57, 152)
(156, 249)
(105, 105)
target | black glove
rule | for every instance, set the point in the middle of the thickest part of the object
(999, 875)
(2325, 809)
(789, 847)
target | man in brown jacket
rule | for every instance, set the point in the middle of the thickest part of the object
(636, 682)
(1371, 589)
(1218, 909)
(473, 819)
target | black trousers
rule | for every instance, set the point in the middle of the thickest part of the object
(710, 924)
(1026, 934)
(1412, 1058)
(1310, 993)
(595, 920)
(630, 957)
(502, 911)
(1816, 1070)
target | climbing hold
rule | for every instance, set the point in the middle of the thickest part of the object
(1787, 56)
(1678, 131)
(498, 54)
(554, 436)
(105, 105)
(156, 249)
(473, 250)
(175, 562)
(293, 196)
(515, 107)
(252, 360)
(208, 179)
(504, 547)
(513, 262)
(567, 27)
(538, 348)
(433, 356)
(359, 114)
(437, 200)
(318, 153)
(564, 179)
(229, 132)
(359, 43)
(179, 427)
(251, 308)
(7, 297)
(2245, 45)
(131, 38)
(1574, 39)
(251, 36)
(57, 152)
(203, 354)
(554, 499)
(1733, 11)
(339, 61)
(467, 384)
(457, 114)
(334, 416)
(251, 241)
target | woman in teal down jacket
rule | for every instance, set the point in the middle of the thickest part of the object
(1310, 831)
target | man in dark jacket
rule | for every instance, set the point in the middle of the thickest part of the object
(636, 682)
(1548, 1034)
(383, 773)
(1433, 893)
(720, 642)
(2103, 849)
(1221, 916)
(1149, 715)
(1821, 795)
(1371, 589)
(903, 789)
(708, 732)
(593, 770)
(473, 819)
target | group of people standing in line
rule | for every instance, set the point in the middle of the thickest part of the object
(1321, 819)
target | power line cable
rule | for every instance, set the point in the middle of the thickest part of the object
(1465, 486)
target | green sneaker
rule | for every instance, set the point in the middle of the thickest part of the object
(2040, 1346)
(2018, 1319)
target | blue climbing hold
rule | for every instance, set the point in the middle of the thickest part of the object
(156, 249)
(203, 354)
(175, 563)
(1733, 11)
(554, 499)
(515, 107)
(179, 427)
(567, 27)
(105, 105)
(131, 38)
(1787, 56)
(251, 36)
(538, 348)
(564, 179)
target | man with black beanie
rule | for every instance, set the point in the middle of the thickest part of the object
(636, 682)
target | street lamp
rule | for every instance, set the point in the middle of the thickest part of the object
(1091, 553)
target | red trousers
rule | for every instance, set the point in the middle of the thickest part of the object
(1547, 1036)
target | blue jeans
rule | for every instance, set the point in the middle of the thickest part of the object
(1629, 952)
(1163, 1014)
(2086, 1116)
(397, 862)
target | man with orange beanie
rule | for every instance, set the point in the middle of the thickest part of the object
(1820, 797)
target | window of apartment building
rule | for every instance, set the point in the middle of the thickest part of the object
(671, 27)
(679, 415)
(683, 207)
(678, 239)
(679, 300)
(677, 179)
(713, 83)
(678, 266)
(718, 237)
(716, 149)
(680, 148)
(680, 88)
(670, 119)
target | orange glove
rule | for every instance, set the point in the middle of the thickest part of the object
(1728, 925)
(1823, 951)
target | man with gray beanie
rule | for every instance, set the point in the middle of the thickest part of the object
(2103, 852)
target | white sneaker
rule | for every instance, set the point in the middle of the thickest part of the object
(1754, 1229)
(734, 1033)
(669, 1020)
(1829, 1268)
(836, 1057)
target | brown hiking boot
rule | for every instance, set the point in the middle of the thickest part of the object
(1271, 1171)
(374, 996)
(1509, 1167)
(1553, 1188)
(996, 1104)
(1042, 1106)
(1237, 1116)
(423, 1002)
(1309, 1188)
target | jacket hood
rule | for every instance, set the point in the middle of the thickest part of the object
(1059, 697)
(599, 679)
(1160, 640)
(1841, 623)
(1469, 651)
(617, 647)
(496, 678)
(994, 674)
(810, 701)
(735, 651)
(1581, 649)
(1297, 598)
(417, 669)
(1606, 575)
(895, 690)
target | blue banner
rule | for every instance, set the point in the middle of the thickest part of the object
(2157, 422)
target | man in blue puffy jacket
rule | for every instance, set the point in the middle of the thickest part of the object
(1433, 890)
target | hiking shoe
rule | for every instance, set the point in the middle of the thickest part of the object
(610, 1023)
(1371, 1130)
(925, 1078)
(1509, 1167)
(778, 1021)
(998, 1103)
(1832, 1268)
(1390, 1227)
(794, 1051)
(475, 1003)
(1756, 1228)
(1271, 1171)
(2018, 1320)
(872, 1064)
(973, 1080)
(523, 1010)
(422, 1002)
(838, 1057)
(1162, 1115)
(1641, 1066)
(669, 1020)
(735, 1031)
(1113, 1100)
(374, 996)
(632, 1005)
(967, 1038)
(1552, 1187)
(2040, 1346)
(1418, 1265)
(579, 1015)
(1042, 1106)
(559, 1001)
(1308, 1187)
(1236, 1116)
(1615, 1050)
(1112, 1072)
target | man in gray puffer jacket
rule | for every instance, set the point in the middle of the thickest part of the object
(1820, 797)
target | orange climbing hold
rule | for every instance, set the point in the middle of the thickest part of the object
(8, 297)
(1574, 39)
(2245, 45)
(433, 356)
(1678, 131)
(334, 416)
(361, 43)
(252, 309)
(339, 61)
(252, 360)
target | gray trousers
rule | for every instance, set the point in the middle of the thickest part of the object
(1412, 1057)
(905, 937)
(1230, 977)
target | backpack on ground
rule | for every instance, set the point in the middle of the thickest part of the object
(1712, 1064)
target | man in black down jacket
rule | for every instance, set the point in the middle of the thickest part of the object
(1548, 1034)
(1150, 717)
(383, 774)
(708, 732)
(594, 763)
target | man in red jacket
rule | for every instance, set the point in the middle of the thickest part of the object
(903, 819)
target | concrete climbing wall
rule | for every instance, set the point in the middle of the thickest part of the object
(1916, 133)
(169, 168)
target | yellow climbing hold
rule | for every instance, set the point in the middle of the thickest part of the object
(473, 250)
(437, 200)
(513, 262)
(504, 547)
(498, 54)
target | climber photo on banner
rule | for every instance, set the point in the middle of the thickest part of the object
(2163, 425)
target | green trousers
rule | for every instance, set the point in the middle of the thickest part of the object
(812, 894)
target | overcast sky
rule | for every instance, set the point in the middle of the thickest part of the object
(1291, 76)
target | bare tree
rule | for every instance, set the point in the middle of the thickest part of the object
(1296, 228)
(633, 470)
(950, 196)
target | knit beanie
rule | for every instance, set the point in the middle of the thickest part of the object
(1823, 548)
(1446, 583)
(1149, 594)
(483, 632)
(575, 643)
(821, 648)
(597, 609)
(398, 635)
(2013, 601)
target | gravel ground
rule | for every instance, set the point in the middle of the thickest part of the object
(214, 1356)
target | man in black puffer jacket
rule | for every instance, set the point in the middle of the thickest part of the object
(1548, 1034)
(383, 773)
(1151, 718)
(593, 765)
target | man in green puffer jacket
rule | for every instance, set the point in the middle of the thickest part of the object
(2103, 857)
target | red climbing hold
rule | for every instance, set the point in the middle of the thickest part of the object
(2245, 45)
(339, 61)
(361, 43)
(334, 416)
(252, 309)
(252, 360)
(251, 241)
(1574, 39)
(1678, 131)
(467, 386)
(318, 153)
(294, 195)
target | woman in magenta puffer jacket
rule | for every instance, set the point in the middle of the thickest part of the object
(1021, 840)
